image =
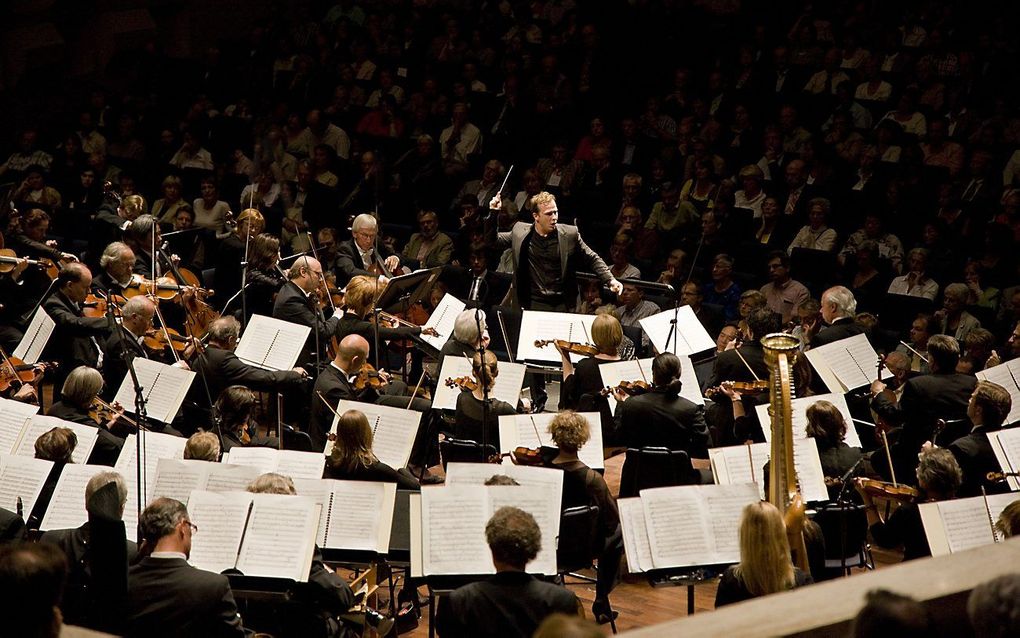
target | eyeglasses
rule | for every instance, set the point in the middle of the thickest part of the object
(194, 528)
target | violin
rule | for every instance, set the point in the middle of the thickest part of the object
(631, 388)
(14, 371)
(881, 489)
(111, 416)
(96, 306)
(155, 340)
(998, 477)
(464, 383)
(534, 457)
(9, 260)
(583, 349)
(881, 424)
(368, 377)
(746, 387)
(165, 287)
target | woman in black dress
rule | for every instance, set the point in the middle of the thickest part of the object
(582, 382)
(235, 412)
(474, 420)
(352, 459)
(825, 424)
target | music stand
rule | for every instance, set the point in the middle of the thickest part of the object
(403, 291)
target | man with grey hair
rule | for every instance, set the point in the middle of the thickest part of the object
(117, 262)
(166, 595)
(838, 310)
(120, 348)
(511, 603)
(363, 254)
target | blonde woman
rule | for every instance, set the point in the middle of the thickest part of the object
(352, 459)
(469, 423)
(765, 566)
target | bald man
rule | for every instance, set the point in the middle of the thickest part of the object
(297, 303)
(335, 383)
(74, 340)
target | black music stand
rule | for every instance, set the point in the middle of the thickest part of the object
(689, 577)
(403, 291)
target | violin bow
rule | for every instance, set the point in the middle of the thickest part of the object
(415, 391)
(537, 435)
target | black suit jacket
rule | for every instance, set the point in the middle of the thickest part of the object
(974, 454)
(840, 329)
(349, 264)
(118, 350)
(108, 445)
(661, 419)
(730, 367)
(294, 306)
(510, 604)
(222, 368)
(12, 527)
(350, 324)
(103, 283)
(334, 387)
(71, 342)
(168, 597)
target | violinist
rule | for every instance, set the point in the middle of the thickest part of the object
(75, 338)
(938, 478)
(334, 384)
(298, 302)
(265, 279)
(117, 263)
(661, 417)
(474, 420)
(29, 239)
(15, 303)
(363, 254)
(351, 457)
(235, 412)
(120, 349)
(230, 254)
(79, 391)
(141, 235)
(466, 338)
(360, 297)
(113, 218)
(988, 408)
(582, 382)
(826, 425)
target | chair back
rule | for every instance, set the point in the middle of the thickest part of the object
(296, 439)
(649, 467)
(579, 541)
(845, 529)
(465, 451)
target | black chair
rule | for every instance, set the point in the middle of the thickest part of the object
(465, 451)
(845, 529)
(579, 528)
(294, 439)
(649, 467)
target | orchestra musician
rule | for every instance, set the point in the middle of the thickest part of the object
(298, 302)
(117, 263)
(474, 420)
(987, 410)
(351, 457)
(264, 279)
(582, 382)
(838, 308)
(470, 333)
(359, 297)
(235, 412)
(80, 390)
(364, 254)
(75, 338)
(335, 384)
(230, 255)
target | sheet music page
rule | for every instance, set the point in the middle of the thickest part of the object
(164, 388)
(67, 506)
(157, 446)
(280, 538)
(798, 410)
(271, 343)
(474, 473)
(808, 466)
(516, 430)
(40, 424)
(541, 326)
(732, 466)
(320, 491)
(37, 335)
(635, 535)
(850, 362)
(453, 522)
(393, 430)
(263, 458)
(544, 504)
(1005, 374)
(221, 519)
(1006, 445)
(689, 338)
(678, 533)
(297, 464)
(966, 524)
(24, 477)
(724, 505)
(442, 319)
(223, 477)
(177, 479)
(359, 513)
(507, 387)
(13, 415)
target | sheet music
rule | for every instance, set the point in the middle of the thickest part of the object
(287, 462)
(221, 519)
(453, 530)
(40, 424)
(689, 338)
(177, 479)
(223, 477)
(507, 387)
(635, 535)
(24, 477)
(157, 446)
(164, 388)
(37, 335)
(724, 507)
(1007, 375)
(527, 476)
(541, 326)
(731, 465)
(272, 344)
(641, 369)
(393, 430)
(963, 523)
(846, 364)
(798, 412)
(516, 430)
(542, 503)
(442, 319)
(1006, 445)
(320, 491)
(67, 505)
(280, 538)
(362, 516)
(13, 416)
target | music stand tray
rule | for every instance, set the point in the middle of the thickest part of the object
(403, 291)
(689, 577)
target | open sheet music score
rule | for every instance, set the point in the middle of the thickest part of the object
(1006, 445)
(39, 424)
(13, 416)
(442, 319)
(507, 387)
(542, 326)
(157, 446)
(684, 526)
(518, 430)
(163, 388)
(272, 344)
(290, 463)
(177, 479)
(846, 364)
(641, 370)
(732, 465)
(393, 430)
(22, 477)
(67, 505)
(962, 523)
(527, 476)
(798, 410)
(270, 535)
(355, 515)
(689, 338)
(37, 335)
(448, 527)
(1008, 376)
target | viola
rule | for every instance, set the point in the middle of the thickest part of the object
(631, 388)
(583, 349)
(464, 383)
(881, 489)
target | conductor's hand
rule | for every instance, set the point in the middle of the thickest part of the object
(496, 202)
(392, 262)
(615, 286)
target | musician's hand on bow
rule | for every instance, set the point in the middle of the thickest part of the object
(183, 365)
(485, 338)
(430, 331)
(392, 262)
(66, 256)
(385, 376)
(27, 394)
(301, 371)
(615, 286)
(620, 395)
